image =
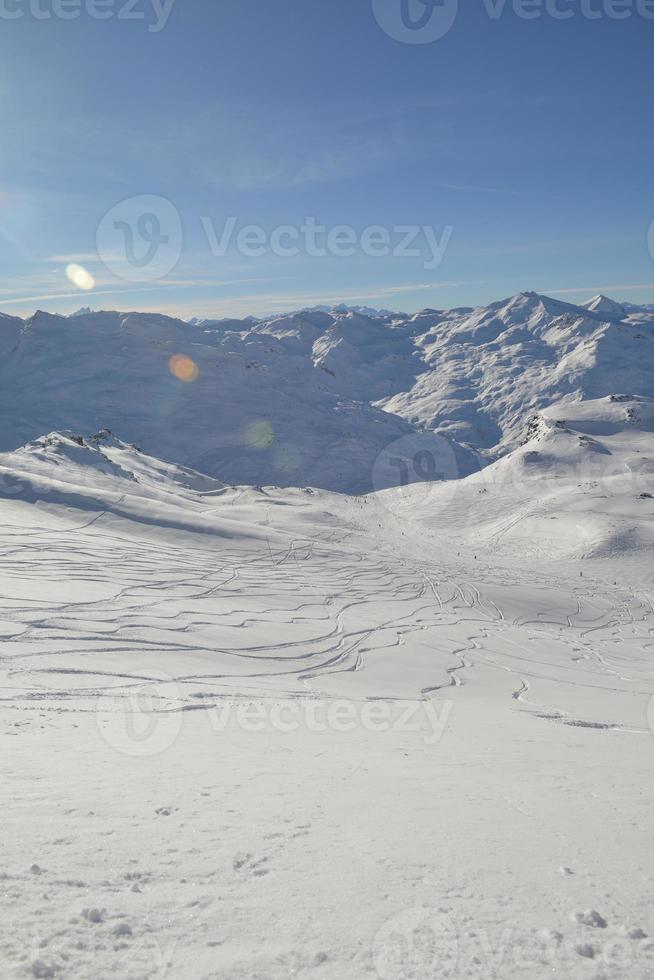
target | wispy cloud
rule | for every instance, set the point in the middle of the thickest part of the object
(599, 289)
(74, 257)
(10, 297)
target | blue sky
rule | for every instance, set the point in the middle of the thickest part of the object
(531, 139)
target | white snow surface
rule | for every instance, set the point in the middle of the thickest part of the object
(258, 731)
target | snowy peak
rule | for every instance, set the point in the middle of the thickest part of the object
(605, 306)
(67, 458)
(101, 461)
(344, 308)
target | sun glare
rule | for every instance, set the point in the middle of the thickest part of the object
(80, 277)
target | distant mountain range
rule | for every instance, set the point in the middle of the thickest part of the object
(312, 398)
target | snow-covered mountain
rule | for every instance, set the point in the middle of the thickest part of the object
(313, 397)
(581, 485)
(224, 704)
(486, 371)
(253, 409)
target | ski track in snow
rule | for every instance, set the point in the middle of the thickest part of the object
(512, 620)
(181, 874)
(288, 619)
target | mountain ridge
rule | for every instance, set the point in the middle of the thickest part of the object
(315, 397)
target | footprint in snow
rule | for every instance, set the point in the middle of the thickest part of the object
(246, 863)
(93, 915)
(634, 932)
(552, 936)
(41, 969)
(589, 918)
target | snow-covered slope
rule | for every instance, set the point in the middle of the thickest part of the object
(581, 485)
(224, 705)
(100, 462)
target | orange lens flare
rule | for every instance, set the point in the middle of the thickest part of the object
(183, 368)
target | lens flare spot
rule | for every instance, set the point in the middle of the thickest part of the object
(80, 277)
(287, 459)
(260, 434)
(183, 368)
